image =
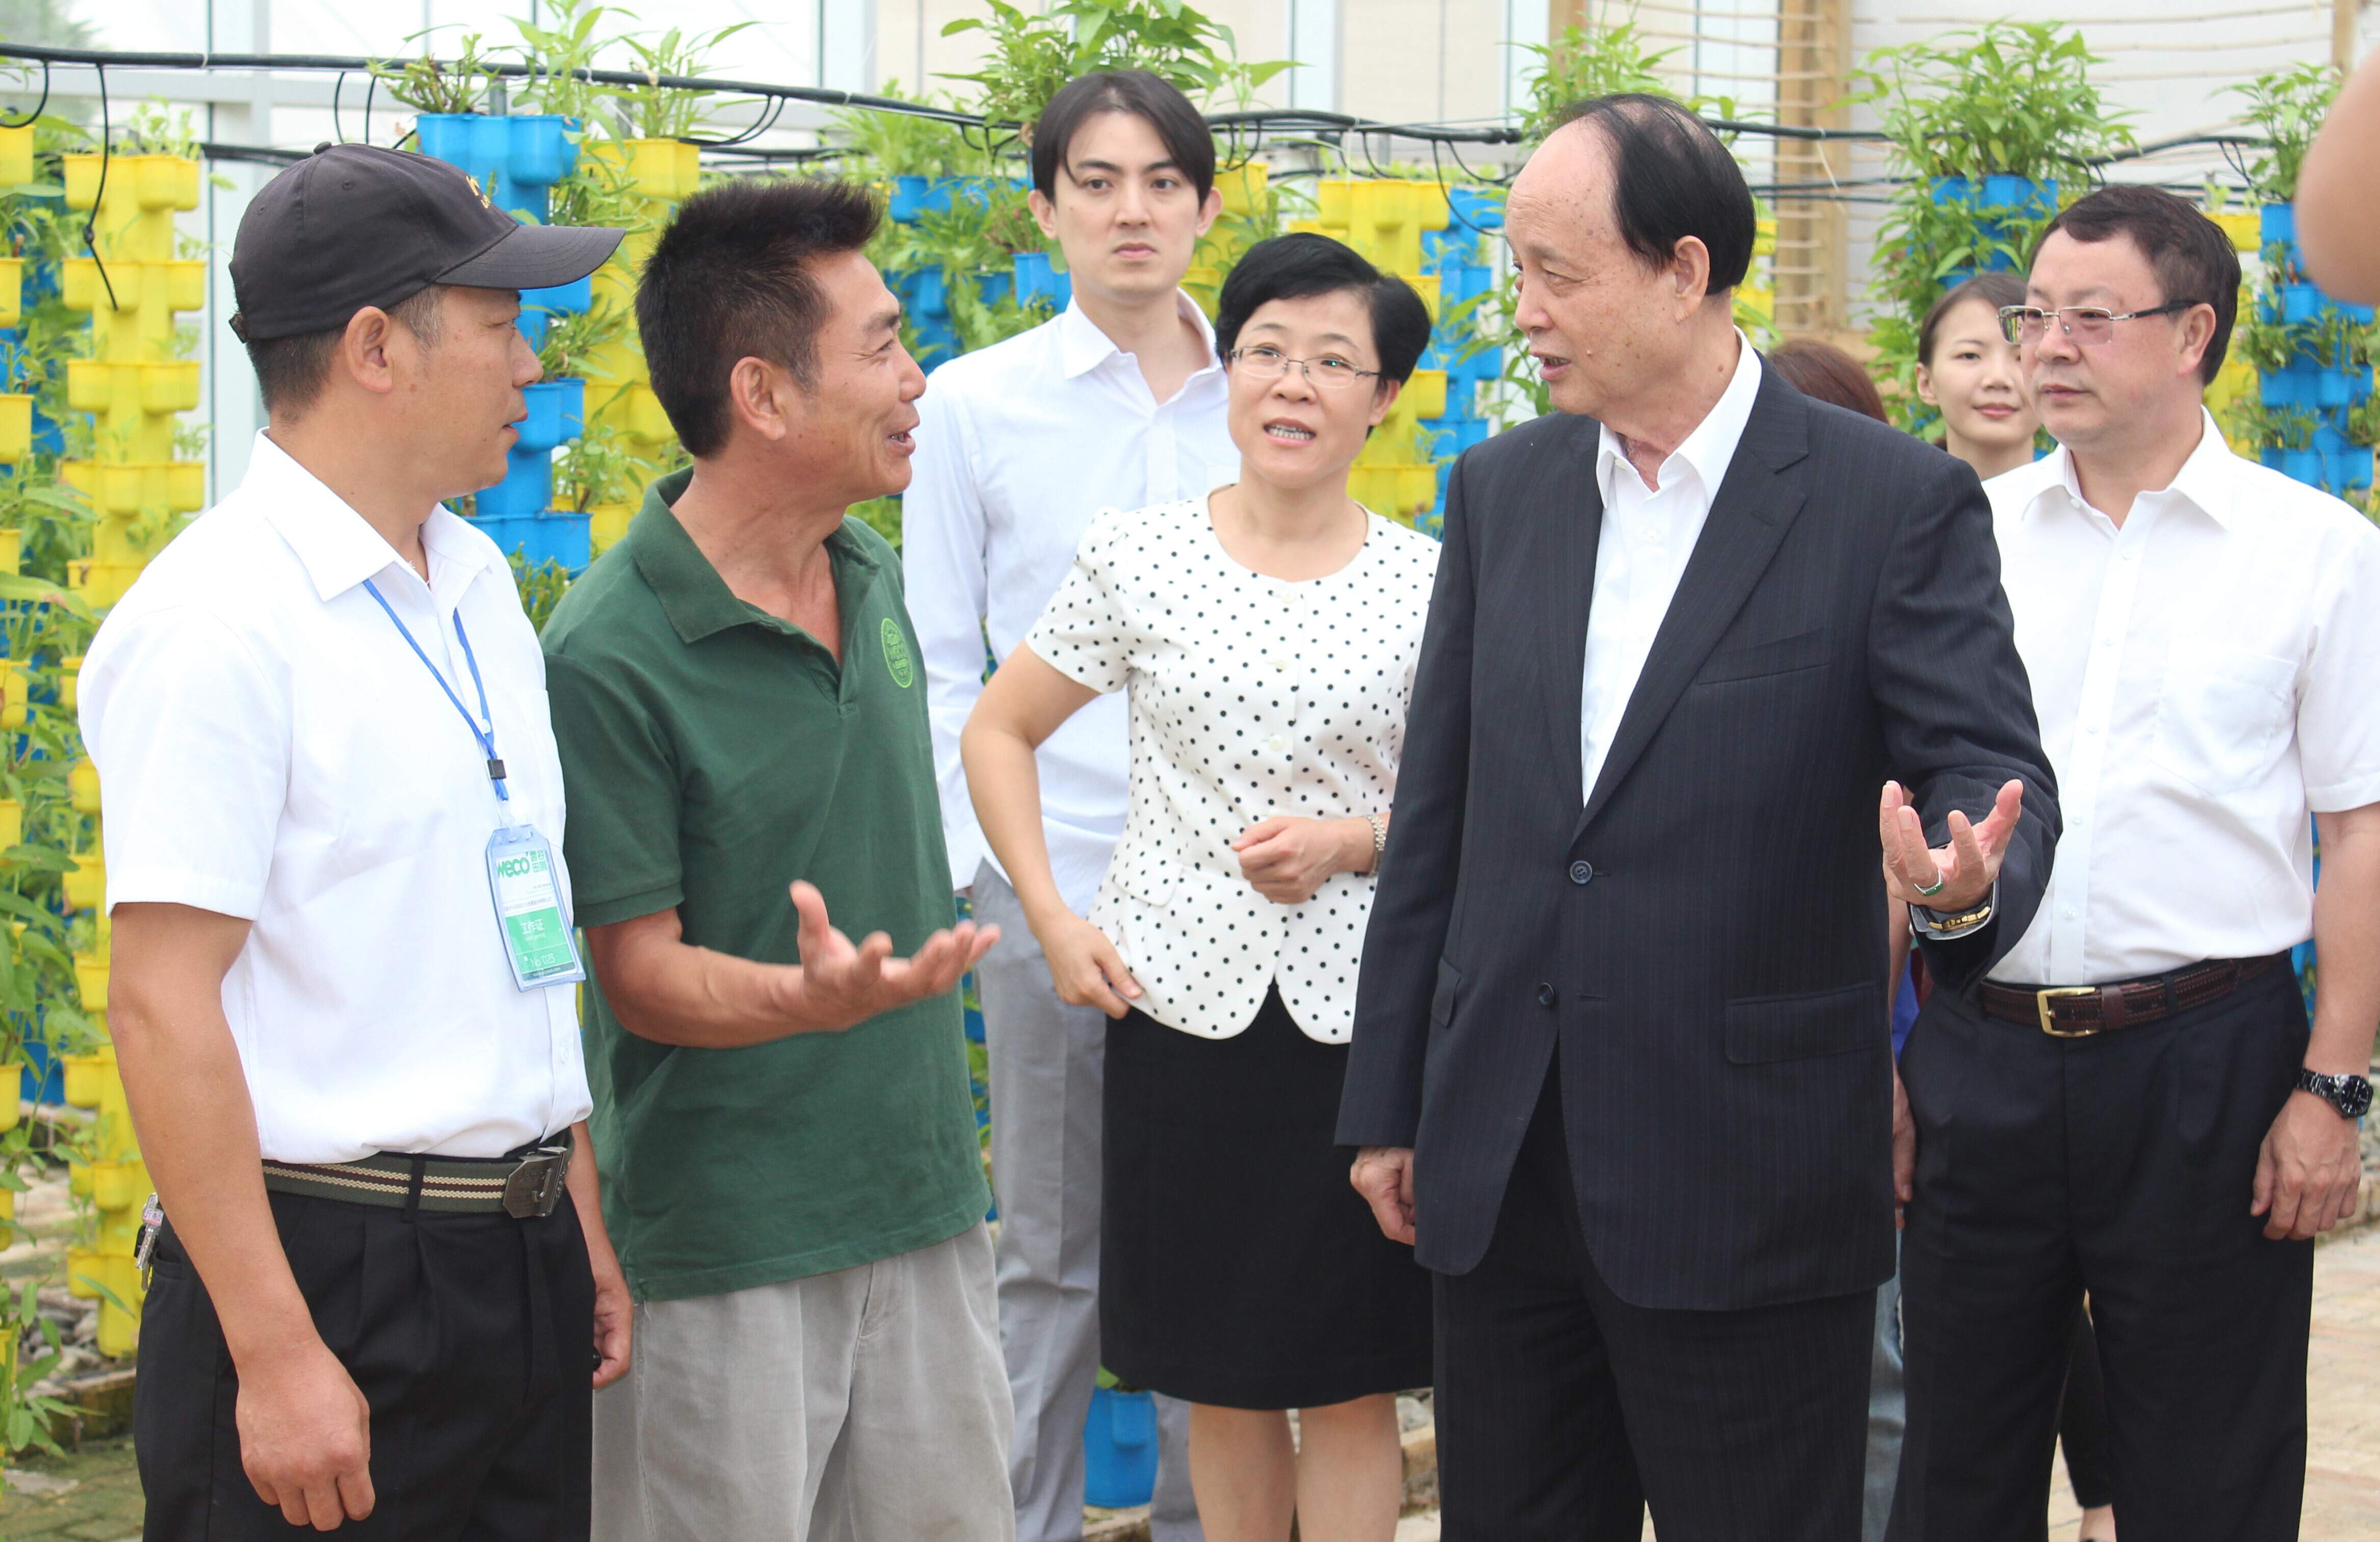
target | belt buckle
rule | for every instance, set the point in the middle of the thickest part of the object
(535, 1187)
(2040, 1000)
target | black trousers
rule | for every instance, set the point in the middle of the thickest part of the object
(1562, 1410)
(471, 1336)
(2083, 1421)
(2119, 1164)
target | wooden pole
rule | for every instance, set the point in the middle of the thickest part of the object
(2343, 33)
(1812, 232)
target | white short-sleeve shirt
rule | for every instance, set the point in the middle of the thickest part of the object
(269, 747)
(2204, 677)
(1250, 696)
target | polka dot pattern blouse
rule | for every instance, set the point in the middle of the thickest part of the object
(1250, 696)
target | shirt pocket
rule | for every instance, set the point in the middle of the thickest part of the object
(1149, 878)
(2224, 715)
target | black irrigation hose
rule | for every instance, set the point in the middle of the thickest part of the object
(35, 114)
(90, 226)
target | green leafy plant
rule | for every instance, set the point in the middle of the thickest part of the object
(572, 337)
(2007, 99)
(565, 41)
(542, 586)
(657, 112)
(1032, 55)
(432, 85)
(1586, 62)
(884, 517)
(2286, 106)
(597, 468)
(885, 144)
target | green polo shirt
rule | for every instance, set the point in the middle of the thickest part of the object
(712, 754)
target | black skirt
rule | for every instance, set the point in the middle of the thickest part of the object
(1237, 1267)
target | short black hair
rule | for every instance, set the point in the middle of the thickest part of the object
(1293, 267)
(1997, 289)
(1148, 97)
(730, 278)
(2193, 259)
(1672, 179)
(291, 372)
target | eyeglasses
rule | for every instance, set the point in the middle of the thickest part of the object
(2088, 325)
(1330, 372)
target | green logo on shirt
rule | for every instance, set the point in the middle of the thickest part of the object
(896, 653)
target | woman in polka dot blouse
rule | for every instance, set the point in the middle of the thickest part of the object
(1267, 636)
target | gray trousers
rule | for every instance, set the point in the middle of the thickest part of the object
(1047, 1060)
(1888, 1414)
(865, 1405)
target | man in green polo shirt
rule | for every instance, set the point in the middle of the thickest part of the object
(781, 1117)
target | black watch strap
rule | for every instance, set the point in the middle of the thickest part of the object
(2352, 1096)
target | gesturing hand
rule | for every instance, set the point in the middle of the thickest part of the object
(305, 1437)
(2309, 1171)
(842, 985)
(1965, 870)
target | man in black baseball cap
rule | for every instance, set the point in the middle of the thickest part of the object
(341, 918)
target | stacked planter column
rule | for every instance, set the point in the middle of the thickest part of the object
(2327, 389)
(1385, 220)
(619, 392)
(924, 292)
(133, 385)
(15, 409)
(1462, 258)
(517, 160)
(2002, 205)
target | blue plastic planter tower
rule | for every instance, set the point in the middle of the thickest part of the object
(1461, 258)
(2324, 389)
(1119, 1449)
(1997, 199)
(517, 160)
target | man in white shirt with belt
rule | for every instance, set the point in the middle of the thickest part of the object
(344, 964)
(1118, 403)
(2133, 1105)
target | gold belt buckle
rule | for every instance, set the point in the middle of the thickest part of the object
(2049, 1025)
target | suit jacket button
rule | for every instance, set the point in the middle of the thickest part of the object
(1582, 872)
(1547, 996)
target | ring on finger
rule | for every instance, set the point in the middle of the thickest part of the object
(1929, 893)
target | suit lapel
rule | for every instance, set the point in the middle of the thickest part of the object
(1576, 500)
(1757, 500)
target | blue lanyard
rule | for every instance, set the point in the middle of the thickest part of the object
(486, 736)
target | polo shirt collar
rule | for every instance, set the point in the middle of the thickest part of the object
(337, 547)
(1083, 348)
(692, 594)
(2206, 482)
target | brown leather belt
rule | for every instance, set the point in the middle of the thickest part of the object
(2081, 1010)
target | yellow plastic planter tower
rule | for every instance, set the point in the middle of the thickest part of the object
(15, 409)
(1384, 220)
(619, 391)
(132, 385)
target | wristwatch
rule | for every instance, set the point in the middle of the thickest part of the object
(2352, 1096)
(1929, 922)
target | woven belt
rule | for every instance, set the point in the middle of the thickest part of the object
(523, 1186)
(2081, 1010)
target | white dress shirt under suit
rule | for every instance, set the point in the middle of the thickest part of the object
(1020, 444)
(270, 748)
(2204, 676)
(1648, 533)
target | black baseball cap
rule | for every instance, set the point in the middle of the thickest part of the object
(354, 225)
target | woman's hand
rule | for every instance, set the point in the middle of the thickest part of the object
(1287, 859)
(1085, 965)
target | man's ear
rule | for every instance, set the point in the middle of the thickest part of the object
(764, 397)
(364, 350)
(1045, 212)
(1690, 270)
(2197, 335)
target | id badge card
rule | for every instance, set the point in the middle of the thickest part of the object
(538, 941)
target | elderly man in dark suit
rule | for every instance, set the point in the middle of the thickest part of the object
(1621, 1062)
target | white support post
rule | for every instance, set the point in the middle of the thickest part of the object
(233, 407)
(1312, 42)
(1526, 25)
(846, 45)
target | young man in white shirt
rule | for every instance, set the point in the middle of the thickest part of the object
(342, 991)
(1118, 403)
(2132, 1105)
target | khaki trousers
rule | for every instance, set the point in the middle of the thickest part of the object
(866, 1406)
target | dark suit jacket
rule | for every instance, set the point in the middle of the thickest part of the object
(1703, 934)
